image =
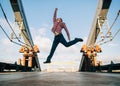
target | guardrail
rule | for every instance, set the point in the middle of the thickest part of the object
(13, 67)
(108, 68)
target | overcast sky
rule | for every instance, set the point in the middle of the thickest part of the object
(78, 16)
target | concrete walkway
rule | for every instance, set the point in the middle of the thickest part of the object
(59, 79)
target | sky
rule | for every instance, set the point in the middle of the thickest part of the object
(78, 16)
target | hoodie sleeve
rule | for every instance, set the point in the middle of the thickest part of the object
(55, 15)
(67, 32)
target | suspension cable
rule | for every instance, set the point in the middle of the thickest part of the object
(9, 37)
(112, 37)
(116, 33)
(115, 18)
(113, 22)
(8, 21)
(105, 42)
(11, 26)
(110, 29)
(5, 32)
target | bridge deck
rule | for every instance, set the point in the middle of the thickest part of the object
(59, 79)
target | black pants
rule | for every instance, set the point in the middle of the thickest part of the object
(60, 39)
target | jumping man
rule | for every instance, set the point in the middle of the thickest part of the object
(58, 25)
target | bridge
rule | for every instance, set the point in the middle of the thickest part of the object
(23, 71)
(89, 50)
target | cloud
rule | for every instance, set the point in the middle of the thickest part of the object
(5, 42)
(40, 38)
(3, 23)
(112, 44)
(9, 51)
(42, 31)
(44, 43)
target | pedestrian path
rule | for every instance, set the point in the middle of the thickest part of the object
(59, 79)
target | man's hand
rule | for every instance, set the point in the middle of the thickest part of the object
(56, 9)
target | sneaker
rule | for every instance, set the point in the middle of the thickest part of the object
(79, 39)
(47, 62)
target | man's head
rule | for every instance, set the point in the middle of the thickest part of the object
(59, 19)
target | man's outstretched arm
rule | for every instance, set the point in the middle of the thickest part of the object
(55, 14)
